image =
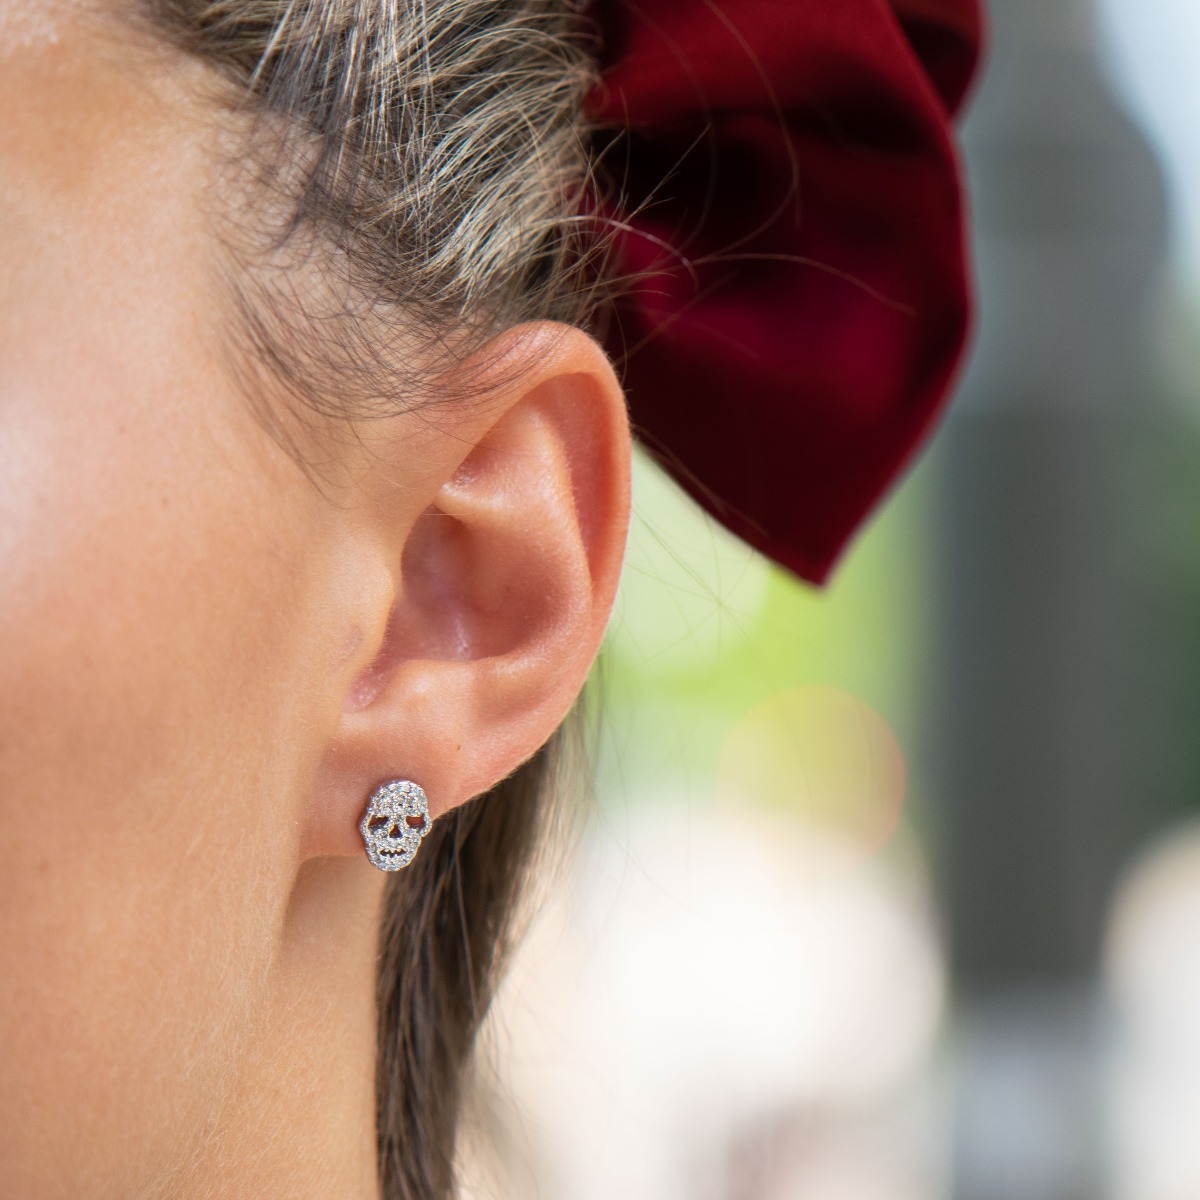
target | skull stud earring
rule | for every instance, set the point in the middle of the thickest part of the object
(396, 820)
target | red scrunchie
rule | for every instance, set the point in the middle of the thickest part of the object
(801, 296)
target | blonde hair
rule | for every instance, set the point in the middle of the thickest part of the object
(435, 153)
(437, 147)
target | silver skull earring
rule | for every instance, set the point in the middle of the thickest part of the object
(396, 820)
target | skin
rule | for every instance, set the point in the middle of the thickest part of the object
(207, 663)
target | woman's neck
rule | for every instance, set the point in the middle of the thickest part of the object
(298, 1120)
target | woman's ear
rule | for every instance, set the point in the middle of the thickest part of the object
(502, 548)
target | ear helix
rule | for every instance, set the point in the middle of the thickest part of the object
(395, 821)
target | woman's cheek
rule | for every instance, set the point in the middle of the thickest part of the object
(149, 589)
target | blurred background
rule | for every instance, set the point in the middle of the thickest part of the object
(893, 892)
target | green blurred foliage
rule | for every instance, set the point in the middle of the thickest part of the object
(705, 629)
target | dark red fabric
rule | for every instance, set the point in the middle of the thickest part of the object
(800, 294)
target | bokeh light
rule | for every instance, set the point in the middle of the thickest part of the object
(821, 756)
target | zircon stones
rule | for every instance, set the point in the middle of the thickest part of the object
(396, 820)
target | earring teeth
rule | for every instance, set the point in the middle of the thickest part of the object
(394, 824)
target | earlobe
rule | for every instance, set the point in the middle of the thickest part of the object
(504, 582)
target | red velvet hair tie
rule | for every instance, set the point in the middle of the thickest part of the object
(800, 301)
